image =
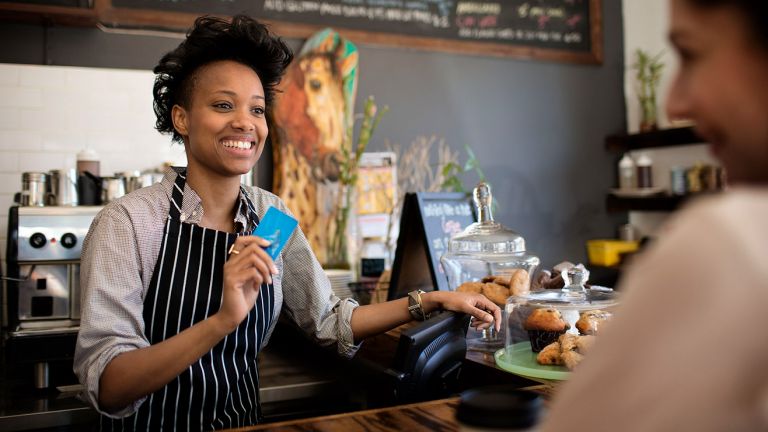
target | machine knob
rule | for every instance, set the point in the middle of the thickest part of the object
(37, 240)
(68, 240)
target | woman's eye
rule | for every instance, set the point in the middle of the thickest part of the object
(258, 110)
(222, 105)
(686, 55)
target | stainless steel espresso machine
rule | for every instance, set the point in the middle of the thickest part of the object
(41, 307)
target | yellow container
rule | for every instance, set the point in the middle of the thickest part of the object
(608, 252)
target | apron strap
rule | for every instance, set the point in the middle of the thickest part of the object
(177, 194)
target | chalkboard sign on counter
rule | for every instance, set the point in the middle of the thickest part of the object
(566, 30)
(427, 223)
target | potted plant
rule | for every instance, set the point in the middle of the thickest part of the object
(337, 254)
(648, 71)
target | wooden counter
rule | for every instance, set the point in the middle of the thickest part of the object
(432, 416)
(479, 369)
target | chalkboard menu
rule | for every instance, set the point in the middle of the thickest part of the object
(427, 223)
(568, 30)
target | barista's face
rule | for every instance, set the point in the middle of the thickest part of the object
(224, 126)
(722, 85)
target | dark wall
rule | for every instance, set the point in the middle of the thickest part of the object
(536, 127)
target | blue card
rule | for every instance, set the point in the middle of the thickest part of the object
(276, 227)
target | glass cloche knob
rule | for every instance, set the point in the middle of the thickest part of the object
(483, 200)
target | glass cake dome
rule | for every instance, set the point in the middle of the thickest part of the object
(549, 331)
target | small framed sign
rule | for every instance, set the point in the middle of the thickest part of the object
(428, 221)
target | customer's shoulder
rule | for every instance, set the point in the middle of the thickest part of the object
(734, 219)
(735, 206)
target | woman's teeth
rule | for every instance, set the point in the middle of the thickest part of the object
(237, 144)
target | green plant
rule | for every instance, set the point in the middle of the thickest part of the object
(337, 246)
(648, 70)
(452, 172)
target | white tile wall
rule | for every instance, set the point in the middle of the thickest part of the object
(49, 113)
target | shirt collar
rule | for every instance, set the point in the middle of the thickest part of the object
(192, 205)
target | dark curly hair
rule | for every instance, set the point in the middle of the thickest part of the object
(755, 12)
(212, 39)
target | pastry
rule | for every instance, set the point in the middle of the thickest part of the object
(472, 287)
(568, 350)
(591, 322)
(544, 326)
(571, 359)
(550, 355)
(496, 293)
(519, 283)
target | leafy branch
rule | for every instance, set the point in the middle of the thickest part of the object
(348, 176)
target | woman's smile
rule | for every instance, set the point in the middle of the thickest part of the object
(239, 146)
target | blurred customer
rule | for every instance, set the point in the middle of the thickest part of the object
(686, 350)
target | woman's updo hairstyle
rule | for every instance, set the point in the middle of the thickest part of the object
(212, 39)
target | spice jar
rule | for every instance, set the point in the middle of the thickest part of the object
(644, 172)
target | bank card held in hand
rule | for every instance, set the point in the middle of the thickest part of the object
(277, 228)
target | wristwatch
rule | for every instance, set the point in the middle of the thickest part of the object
(415, 307)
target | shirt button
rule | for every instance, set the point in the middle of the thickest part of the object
(183, 217)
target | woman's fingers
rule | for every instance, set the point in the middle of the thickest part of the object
(487, 312)
(247, 252)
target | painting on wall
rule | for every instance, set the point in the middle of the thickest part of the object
(310, 117)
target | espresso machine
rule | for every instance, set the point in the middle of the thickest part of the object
(41, 307)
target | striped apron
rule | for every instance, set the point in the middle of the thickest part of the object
(221, 389)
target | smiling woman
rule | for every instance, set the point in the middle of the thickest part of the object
(178, 296)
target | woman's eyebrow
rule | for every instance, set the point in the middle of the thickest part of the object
(233, 94)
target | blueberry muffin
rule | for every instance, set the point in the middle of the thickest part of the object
(544, 326)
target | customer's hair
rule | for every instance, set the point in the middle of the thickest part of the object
(212, 39)
(755, 12)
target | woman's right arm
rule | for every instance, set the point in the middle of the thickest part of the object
(137, 373)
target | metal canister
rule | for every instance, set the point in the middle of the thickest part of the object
(33, 189)
(64, 186)
(677, 180)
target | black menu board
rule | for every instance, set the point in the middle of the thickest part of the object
(427, 223)
(567, 30)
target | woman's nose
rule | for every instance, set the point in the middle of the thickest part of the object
(243, 121)
(678, 102)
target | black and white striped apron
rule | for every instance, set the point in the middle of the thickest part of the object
(221, 389)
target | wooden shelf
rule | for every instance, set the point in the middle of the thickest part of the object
(651, 203)
(659, 138)
(61, 14)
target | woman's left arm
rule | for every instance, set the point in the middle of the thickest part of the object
(370, 320)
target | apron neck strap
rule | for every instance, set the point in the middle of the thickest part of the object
(177, 197)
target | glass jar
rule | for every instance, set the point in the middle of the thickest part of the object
(490, 259)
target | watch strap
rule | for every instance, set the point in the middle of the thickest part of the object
(415, 306)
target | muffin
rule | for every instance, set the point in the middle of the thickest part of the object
(590, 322)
(544, 326)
